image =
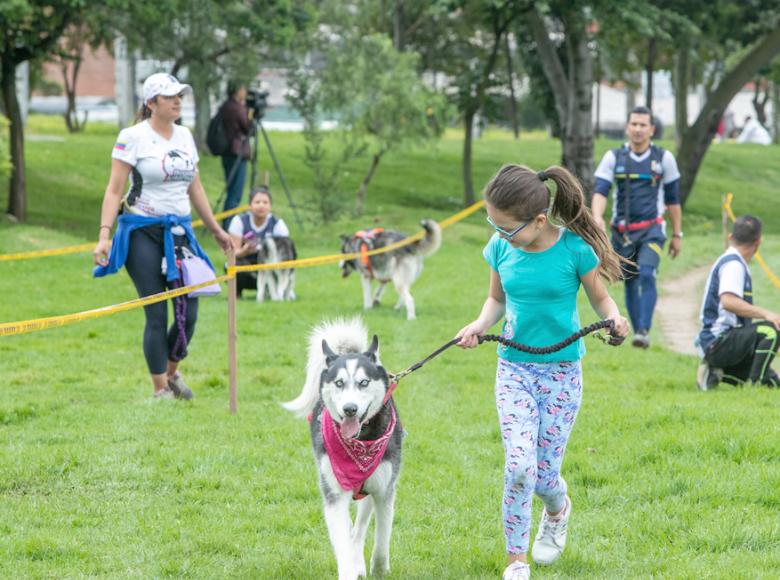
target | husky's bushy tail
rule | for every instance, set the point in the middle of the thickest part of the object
(343, 336)
(432, 240)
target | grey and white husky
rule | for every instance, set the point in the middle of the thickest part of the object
(402, 266)
(346, 381)
(280, 283)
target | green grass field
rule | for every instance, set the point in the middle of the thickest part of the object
(98, 481)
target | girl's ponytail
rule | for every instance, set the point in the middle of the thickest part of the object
(570, 209)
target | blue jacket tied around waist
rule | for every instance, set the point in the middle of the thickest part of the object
(128, 223)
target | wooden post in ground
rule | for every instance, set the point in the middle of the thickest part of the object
(724, 220)
(232, 336)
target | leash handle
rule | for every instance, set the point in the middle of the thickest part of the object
(608, 324)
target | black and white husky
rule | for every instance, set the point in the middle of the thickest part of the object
(356, 435)
(401, 267)
(280, 283)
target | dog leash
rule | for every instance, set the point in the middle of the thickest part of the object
(593, 328)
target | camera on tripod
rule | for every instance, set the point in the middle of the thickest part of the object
(257, 102)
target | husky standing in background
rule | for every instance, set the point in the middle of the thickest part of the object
(402, 266)
(356, 435)
(280, 283)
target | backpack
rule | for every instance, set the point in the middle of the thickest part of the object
(216, 139)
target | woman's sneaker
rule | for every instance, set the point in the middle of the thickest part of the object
(164, 395)
(517, 571)
(551, 538)
(179, 387)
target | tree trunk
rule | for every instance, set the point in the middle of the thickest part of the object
(698, 138)
(759, 102)
(682, 81)
(573, 94)
(17, 191)
(551, 64)
(597, 126)
(468, 182)
(398, 25)
(775, 88)
(649, 70)
(199, 76)
(476, 100)
(578, 136)
(360, 198)
(71, 114)
(512, 98)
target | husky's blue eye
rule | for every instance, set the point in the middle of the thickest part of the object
(363, 383)
(339, 383)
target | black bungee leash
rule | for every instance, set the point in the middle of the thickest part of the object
(608, 324)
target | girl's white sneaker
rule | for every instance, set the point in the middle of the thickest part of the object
(517, 571)
(551, 538)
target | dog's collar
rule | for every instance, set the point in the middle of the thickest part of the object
(389, 394)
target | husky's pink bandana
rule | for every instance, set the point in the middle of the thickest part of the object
(353, 461)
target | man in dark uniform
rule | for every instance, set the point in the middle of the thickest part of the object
(647, 184)
(738, 339)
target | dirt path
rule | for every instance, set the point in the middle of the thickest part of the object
(678, 307)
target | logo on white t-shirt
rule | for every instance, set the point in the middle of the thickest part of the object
(178, 166)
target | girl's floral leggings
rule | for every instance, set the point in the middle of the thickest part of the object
(537, 404)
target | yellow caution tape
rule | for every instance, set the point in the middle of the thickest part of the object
(89, 246)
(774, 279)
(12, 328)
(43, 253)
(462, 214)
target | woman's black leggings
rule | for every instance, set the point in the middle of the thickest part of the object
(144, 264)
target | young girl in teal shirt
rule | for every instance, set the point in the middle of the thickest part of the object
(544, 247)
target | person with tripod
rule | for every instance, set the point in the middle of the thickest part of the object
(238, 128)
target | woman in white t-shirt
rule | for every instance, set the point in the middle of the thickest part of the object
(161, 160)
(249, 227)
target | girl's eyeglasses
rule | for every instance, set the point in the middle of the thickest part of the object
(505, 233)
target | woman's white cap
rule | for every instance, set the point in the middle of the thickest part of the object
(165, 85)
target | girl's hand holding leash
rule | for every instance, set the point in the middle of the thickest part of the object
(470, 334)
(619, 331)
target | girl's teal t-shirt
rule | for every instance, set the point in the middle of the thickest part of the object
(541, 294)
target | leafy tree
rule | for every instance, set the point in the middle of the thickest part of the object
(379, 97)
(740, 38)
(28, 29)
(305, 97)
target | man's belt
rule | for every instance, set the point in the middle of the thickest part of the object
(621, 227)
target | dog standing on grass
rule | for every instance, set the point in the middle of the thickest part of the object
(402, 266)
(280, 283)
(356, 435)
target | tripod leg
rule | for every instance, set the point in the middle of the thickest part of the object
(279, 171)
